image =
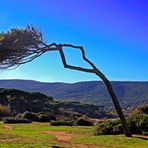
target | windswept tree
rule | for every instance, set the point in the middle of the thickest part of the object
(19, 46)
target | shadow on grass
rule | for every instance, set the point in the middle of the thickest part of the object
(56, 146)
(141, 137)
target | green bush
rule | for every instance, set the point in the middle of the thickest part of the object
(38, 117)
(138, 121)
(43, 118)
(16, 120)
(62, 123)
(29, 115)
(142, 109)
(109, 128)
(83, 122)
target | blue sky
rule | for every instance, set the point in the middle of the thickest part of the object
(114, 34)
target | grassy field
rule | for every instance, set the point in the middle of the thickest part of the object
(42, 135)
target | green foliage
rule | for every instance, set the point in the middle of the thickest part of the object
(21, 101)
(38, 117)
(109, 128)
(75, 109)
(138, 120)
(138, 123)
(62, 123)
(29, 115)
(83, 122)
(130, 94)
(42, 117)
(18, 46)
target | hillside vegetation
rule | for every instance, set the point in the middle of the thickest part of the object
(14, 102)
(130, 94)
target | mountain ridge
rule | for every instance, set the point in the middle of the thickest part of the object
(130, 93)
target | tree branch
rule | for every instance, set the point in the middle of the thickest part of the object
(59, 48)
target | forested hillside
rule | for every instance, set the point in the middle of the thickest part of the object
(130, 94)
(18, 102)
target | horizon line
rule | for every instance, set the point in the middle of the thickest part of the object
(73, 82)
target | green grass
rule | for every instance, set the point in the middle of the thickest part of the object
(112, 140)
(29, 134)
(33, 136)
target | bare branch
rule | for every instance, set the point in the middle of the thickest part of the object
(83, 53)
(59, 48)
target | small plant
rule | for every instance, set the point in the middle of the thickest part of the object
(83, 122)
(29, 115)
(62, 123)
(44, 118)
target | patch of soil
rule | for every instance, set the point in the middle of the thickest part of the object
(8, 127)
(61, 136)
(8, 138)
(65, 139)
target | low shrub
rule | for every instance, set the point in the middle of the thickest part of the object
(142, 109)
(62, 123)
(46, 115)
(43, 118)
(38, 117)
(83, 122)
(138, 122)
(16, 120)
(29, 115)
(109, 128)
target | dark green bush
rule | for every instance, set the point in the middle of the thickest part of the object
(29, 115)
(109, 128)
(38, 117)
(142, 109)
(83, 122)
(62, 123)
(47, 116)
(138, 122)
(16, 120)
(43, 118)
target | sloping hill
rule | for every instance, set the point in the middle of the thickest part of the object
(130, 94)
(18, 101)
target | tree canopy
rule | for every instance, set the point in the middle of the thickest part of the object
(19, 46)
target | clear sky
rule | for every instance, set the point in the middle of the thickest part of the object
(114, 34)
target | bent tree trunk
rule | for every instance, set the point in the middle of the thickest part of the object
(96, 71)
(115, 102)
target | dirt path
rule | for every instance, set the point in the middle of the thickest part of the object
(65, 139)
(8, 138)
(61, 136)
(8, 127)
